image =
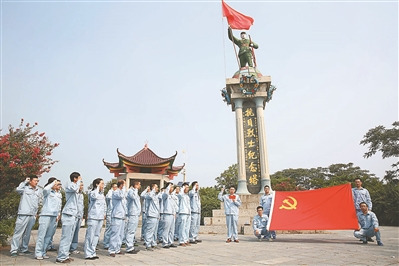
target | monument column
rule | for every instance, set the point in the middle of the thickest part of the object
(264, 164)
(242, 180)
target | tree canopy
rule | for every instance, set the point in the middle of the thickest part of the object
(22, 153)
(386, 141)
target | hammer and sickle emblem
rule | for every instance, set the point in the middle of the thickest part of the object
(289, 205)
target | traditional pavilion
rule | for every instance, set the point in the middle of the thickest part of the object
(145, 166)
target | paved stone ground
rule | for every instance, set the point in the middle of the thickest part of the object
(331, 248)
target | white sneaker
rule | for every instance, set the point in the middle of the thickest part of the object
(39, 258)
(46, 257)
(75, 252)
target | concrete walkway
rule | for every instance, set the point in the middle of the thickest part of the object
(332, 248)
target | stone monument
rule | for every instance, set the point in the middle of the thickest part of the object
(248, 92)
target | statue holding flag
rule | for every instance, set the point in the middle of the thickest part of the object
(239, 21)
(245, 54)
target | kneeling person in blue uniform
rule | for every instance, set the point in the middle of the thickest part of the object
(259, 224)
(368, 225)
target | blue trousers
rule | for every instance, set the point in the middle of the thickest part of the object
(143, 222)
(117, 232)
(271, 234)
(132, 222)
(107, 232)
(263, 232)
(177, 226)
(23, 228)
(364, 233)
(92, 236)
(161, 225)
(75, 239)
(44, 234)
(231, 222)
(151, 224)
(185, 220)
(195, 225)
(68, 229)
(52, 230)
(168, 229)
(124, 233)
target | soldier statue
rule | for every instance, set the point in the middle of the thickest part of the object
(245, 45)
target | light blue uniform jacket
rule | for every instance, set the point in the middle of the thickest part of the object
(195, 201)
(133, 202)
(230, 207)
(97, 206)
(52, 201)
(71, 196)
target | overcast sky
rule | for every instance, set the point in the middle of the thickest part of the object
(98, 76)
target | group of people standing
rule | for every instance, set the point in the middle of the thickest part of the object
(368, 222)
(171, 214)
(232, 202)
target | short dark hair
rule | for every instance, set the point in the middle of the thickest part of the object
(95, 183)
(259, 207)
(232, 187)
(120, 182)
(50, 180)
(243, 32)
(363, 203)
(73, 176)
(266, 186)
(357, 178)
(153, 185)
(194, 183)
(135, 182)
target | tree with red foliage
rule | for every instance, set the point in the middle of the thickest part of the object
(22, 153)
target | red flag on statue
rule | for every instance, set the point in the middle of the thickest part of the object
(321, 209)
(235, 19)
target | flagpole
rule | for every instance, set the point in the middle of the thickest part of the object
(252, 50)
(235, 51)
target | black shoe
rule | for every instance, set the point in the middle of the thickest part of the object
(370, 239)
(134, 251)
(166, 247)
(96, 257)
(198, 240)
(193, 242)
(173, 246)
(364, 242)
(52, 249)
(57, 261)
(92, 258)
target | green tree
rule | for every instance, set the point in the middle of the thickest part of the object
(23, 152)
(385, 200)
(386, 141)
(209, 201)
(228, 177)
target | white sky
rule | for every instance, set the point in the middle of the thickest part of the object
(98, 76)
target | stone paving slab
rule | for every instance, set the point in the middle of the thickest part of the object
(331, 248)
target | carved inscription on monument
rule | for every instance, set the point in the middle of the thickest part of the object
(251, 147)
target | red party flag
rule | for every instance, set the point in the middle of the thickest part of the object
(320, 209)
(235, 19)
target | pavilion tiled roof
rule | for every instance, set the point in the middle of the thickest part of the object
(146, 157)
